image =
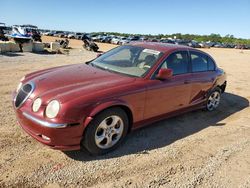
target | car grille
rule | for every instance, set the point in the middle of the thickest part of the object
(23, 94)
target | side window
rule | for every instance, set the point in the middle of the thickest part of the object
(178, 62)
(211, 65)
(199, 62)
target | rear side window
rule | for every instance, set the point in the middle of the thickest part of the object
(178, 62)
(211, 65)
(199, 62)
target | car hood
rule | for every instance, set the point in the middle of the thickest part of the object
(72, 81)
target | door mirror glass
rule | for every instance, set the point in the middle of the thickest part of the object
(164, 74)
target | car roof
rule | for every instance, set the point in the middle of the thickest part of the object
(163, 47)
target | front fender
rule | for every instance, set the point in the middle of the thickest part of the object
(108, 104)
(99, 107)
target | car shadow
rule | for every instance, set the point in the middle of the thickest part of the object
(165, 132)
(45, 52)
(11, 54)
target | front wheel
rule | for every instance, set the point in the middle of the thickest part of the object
(213, 100)
(106, 131)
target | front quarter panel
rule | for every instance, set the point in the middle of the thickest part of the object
(131, 97)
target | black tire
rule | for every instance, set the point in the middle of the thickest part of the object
(89, 137)
(215, 93)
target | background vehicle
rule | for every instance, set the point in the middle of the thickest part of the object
(93, 37)
(71, 36)
(2, 32)
(49, 33)
(58, 34)
(115, 40)
(133, 38)
(89, 44)
(123, 41)
(106, 39)
(168, 41)
(194, 44)
(77, 36)
(36, 35)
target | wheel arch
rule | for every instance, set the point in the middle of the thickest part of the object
(113, 104)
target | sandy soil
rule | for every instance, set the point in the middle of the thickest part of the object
(198, 149)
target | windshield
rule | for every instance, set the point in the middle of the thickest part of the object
(130, 60)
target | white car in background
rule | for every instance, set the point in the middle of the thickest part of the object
(71, 36)
(123, 40)
(115, 40)
(75, 36)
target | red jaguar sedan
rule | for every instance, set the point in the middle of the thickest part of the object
(96, 104)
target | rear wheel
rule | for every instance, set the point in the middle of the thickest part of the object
(213, 100)
(106, 131)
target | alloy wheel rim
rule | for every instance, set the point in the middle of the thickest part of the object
(109, 132)
(213, 101)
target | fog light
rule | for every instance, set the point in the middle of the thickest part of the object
(45, 138)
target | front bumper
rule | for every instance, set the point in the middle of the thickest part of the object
(64, 138)
(56, 133)
(44, 123)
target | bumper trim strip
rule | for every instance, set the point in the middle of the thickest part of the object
(44, 123)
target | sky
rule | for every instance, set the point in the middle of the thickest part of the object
(133, 16)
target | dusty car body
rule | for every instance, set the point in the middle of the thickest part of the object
(88, 94)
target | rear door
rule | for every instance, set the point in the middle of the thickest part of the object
(203, 76)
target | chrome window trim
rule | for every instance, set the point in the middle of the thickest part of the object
(44, 123)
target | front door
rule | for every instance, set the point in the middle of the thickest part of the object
(169, 95)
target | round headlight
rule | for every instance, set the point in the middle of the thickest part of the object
(36, 104)
(52, 109)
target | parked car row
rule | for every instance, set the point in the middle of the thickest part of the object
(207, 44)
(63, 34)
(121, 40)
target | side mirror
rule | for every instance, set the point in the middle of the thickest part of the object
(164, 74)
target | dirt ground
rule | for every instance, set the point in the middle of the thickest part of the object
(198, 149)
